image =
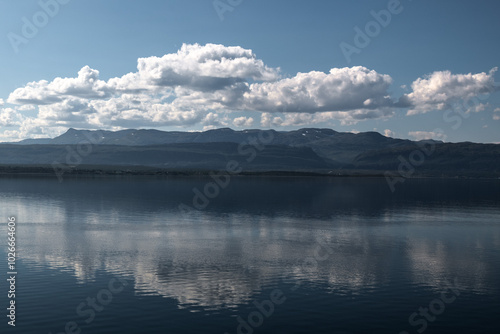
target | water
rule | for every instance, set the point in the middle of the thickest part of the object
(266, 255)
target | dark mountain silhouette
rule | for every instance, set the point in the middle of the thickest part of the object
(310, 149)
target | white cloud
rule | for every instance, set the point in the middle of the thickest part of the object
(10, 117)
(268, 120)
(208, 67)
(201, 68)
(389, 133)
(10, 136)
(477, 108)
(202, 85)
(496, 116)
(35, 128)
(423, 135)
(440, 89)
(178, 89)
(26, 107)
(243, 121)
(86, 85)
(343, 89)
(309, 119)
(213, 120)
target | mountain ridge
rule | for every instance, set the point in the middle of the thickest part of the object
(307, 149)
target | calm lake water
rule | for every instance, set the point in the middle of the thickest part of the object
(266, 255)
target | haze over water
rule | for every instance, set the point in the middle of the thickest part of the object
(345, 255)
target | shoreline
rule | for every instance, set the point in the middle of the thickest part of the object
(106, 171)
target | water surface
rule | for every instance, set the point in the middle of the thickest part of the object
(339, 255)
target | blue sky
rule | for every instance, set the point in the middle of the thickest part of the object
(425, 70)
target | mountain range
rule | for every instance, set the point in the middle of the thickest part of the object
(305, 150)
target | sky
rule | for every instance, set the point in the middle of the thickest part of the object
(412, 69)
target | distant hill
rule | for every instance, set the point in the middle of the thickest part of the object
(205, 156)
(337, 147)
(310, 149)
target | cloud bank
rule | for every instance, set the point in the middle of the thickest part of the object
(209, 86)
(441, 89)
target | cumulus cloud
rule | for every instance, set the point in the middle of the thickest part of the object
(213, 120)
(496, 114)
(85, 85)
(389, 133)
(477, 108)
(197, 82)
(268, 120)
(10, 117)
(31, 128)
(243, 121)
(342, 89)
(308, 119)
(205, 68)
(178, 89)
(425, 135)
(26, 107)
(209, 67)
(441, 89)
(203, 85)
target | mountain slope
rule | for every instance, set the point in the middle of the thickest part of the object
(174, 156)
(335, 147)
(301, 150)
